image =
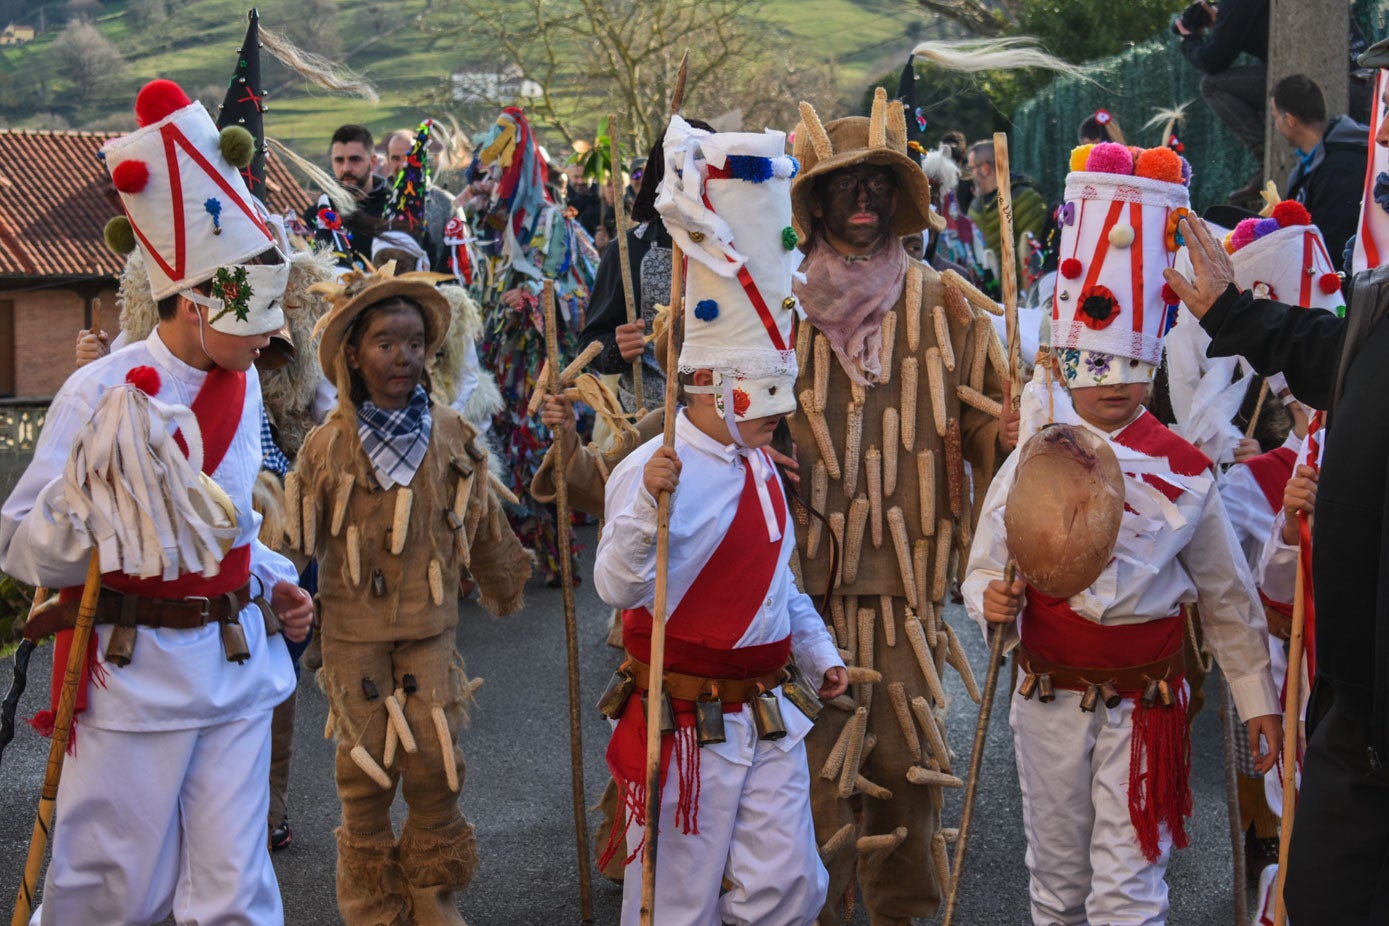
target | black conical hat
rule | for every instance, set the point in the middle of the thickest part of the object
(244, 104)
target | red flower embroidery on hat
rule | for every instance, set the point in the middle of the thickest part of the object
(741, 402)
(1097, 307)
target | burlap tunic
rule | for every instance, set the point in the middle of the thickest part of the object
(883, 589)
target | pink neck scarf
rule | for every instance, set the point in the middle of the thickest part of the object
(847, 299)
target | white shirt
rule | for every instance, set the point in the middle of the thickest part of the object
(177, 679)
(1193, 557)
(702, 508)
(1248, 508)
(1277, 569)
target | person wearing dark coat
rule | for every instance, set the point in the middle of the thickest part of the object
(1338, 868)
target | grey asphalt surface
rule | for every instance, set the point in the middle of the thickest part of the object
(517, 790)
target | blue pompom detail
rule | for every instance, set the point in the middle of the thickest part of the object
(1169, 320)
(749, 168)
(1381, 190)
(214, 209)
(707, 310)
(795, 168)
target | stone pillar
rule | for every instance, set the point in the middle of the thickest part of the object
(1305, 37)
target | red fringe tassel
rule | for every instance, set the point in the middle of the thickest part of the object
(1160, 774)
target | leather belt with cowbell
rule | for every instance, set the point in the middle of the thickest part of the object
(1151, 682)
(710, 695)
(127, 612)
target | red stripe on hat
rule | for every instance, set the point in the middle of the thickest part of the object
(1367, 240)
(1136, 264)
(1098, 260)
(1305, 287)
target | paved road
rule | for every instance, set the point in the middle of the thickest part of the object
(518, 791)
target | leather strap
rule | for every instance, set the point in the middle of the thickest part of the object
(694, 688)
(1129, 680)
(114, 607)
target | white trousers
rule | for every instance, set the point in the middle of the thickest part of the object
(755, 830)
(150, 824)
(1082, 850)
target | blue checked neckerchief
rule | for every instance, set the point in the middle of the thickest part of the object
(273, 458)
(395, 439)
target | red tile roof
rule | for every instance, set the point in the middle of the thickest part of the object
(56, 197)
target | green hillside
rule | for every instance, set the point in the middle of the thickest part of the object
(395, 43)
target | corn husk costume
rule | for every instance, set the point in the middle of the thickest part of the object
(389, 564)
(525, 239)
(883, 432)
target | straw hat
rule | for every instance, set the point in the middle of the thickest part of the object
(879, 139)
(358, 291)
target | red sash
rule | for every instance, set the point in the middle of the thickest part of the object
(218, 407)
(700, 640)
(1272, 471)
(1160, 750)
(1149, 436)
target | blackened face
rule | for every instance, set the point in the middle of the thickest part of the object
(855, 205)
(390, 355)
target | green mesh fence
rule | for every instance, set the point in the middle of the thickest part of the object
(1134, 86)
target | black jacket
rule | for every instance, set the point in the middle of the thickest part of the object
(1331, 187)
(607, 307)
(1340, 364)
(1240, 26)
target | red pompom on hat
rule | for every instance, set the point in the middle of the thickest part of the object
(144, 378)
(1291, 212)
(1169, 295)
(1329, 283)
(130, 176)
(1071, 268)
(157, 99)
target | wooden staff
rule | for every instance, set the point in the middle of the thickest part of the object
(1292, 713)
(96, 316)
(656, 692)
(58, 746)
(571, 631)
(1258, 407)
(677, 97)
(976, 758)
(620, 218)
(1008, 268)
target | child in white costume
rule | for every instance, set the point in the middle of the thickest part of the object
(1105, 788)
(735, 810)
(163, 808)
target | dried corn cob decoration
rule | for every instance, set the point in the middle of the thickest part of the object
(943, 342)
(872, 790)
(392, 738)
(935, 376)
(928, 623)
(956, 657)
(853, 444)
(951, 833)
(441, 730)
(957, 306)
(816, 416)
(983, 329)
(898, 525)
(367, 764)
(874, 462)
(935, 740)
(908, 401)
(942, 563)
(819, 492)
(853, 543)
(926, 490)
(869, 742)
(402, 729)
(972, 293)
(400, 526)
(803, 333)
(892, 429)
(329, 725)
(997, 359)
(889, 342)
(976, 399)
(293, 511)
(955, 467)
(463, 489)
(843, 702)
(912, 309)
(916, 635)
(310, 522)
(966, 532)
(942, 861)
(853, 752)
(857, 394)
(851, 619)
(354, 555)
(897, 694)
(822, 371)
(924, 776)
(838, 841)
(921, 558)
(837, 529)
(340, 500)
(858, 675)
(880, 846)
(887, 611)
(863, 691)
(436, 583)
(841, 628)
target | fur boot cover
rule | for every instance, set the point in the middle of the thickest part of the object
(371, 887)
(443, 856)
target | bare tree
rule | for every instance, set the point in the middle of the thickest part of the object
(584, 58)
(977, 17)
(314, 27)
(87, 58)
